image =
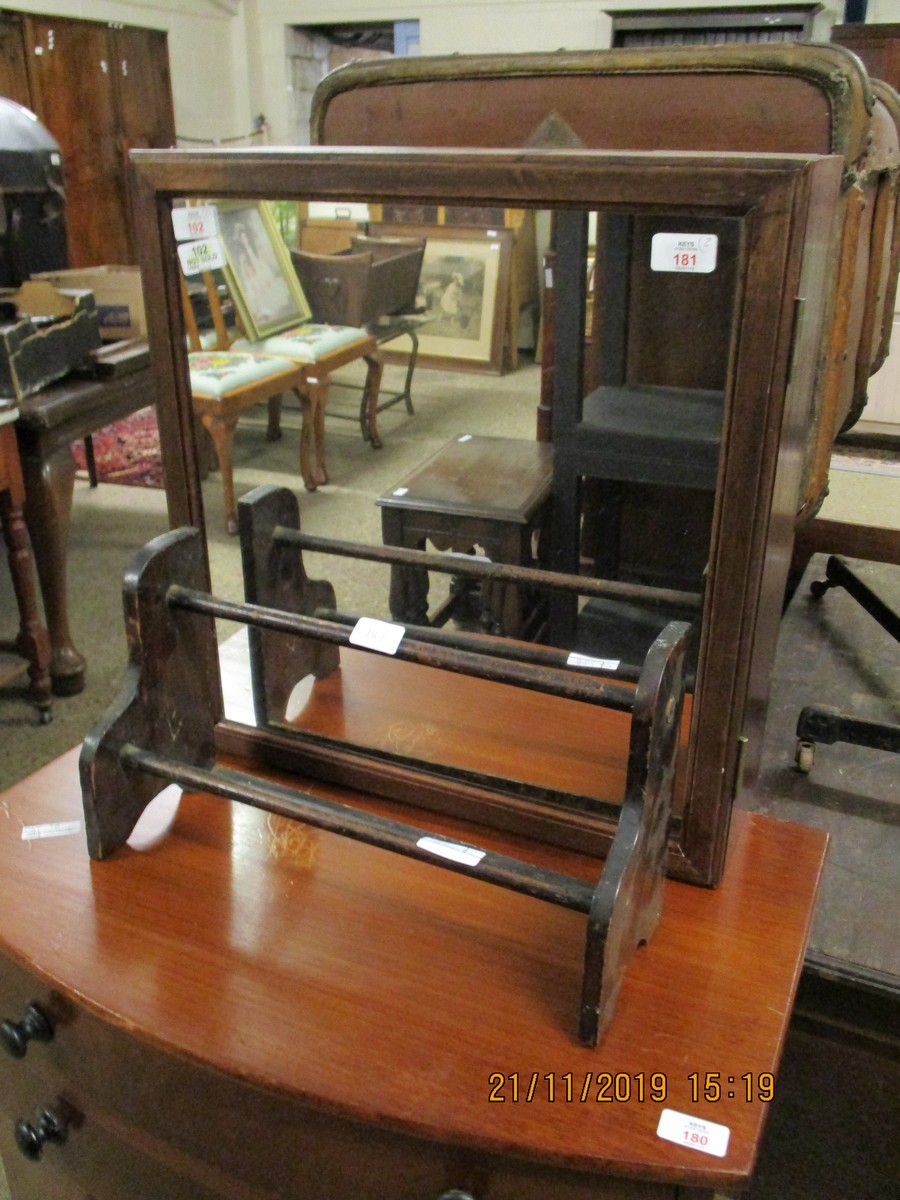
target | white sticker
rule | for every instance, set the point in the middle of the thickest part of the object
(466, 437)
(382, 636)
(190, 224)
(452, 850)
(692, 253)
(53, 829)
(593, 664)
(399, 491)
(693, 1132)
(482, 558)
(548, 278)
(205, 255)
(492, 233)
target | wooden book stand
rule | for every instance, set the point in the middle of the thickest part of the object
(162, 726)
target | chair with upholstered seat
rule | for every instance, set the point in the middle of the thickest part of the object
(226, 383)
(319, 350)
(314, 350)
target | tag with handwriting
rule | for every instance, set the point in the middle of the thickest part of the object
(593, 664)
(693, 253)
(190, 224)
(693, 1132)
(455, 851)
(31, 833)
(203, 255)
(382, 636)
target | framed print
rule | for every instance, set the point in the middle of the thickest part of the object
(258, 270)
(464, 291)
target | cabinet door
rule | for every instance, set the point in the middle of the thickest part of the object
(144, 88)
(70, 68)
(143, 94)
(13, 75)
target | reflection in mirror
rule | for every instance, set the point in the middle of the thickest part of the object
(546, 394)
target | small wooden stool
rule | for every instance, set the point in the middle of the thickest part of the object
(476, 491)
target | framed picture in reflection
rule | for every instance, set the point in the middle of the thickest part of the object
(464, 291)
(258, 270)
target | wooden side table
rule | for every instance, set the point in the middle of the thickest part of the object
(242, 1007)
(32, 644)
(476, 491)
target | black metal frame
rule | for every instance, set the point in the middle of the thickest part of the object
(825, 724)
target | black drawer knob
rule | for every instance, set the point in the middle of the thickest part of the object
(17, 1034)
(48, 1126)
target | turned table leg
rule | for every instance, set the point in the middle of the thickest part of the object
(221, 430)
(368, 409)
(49, 486)
(32, 643)
(313, 399)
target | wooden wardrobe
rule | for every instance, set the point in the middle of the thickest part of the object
(101, 89)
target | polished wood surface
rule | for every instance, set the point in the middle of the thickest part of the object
(368, 999)
(477, 725)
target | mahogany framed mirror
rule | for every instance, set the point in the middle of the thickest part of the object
(779, 217)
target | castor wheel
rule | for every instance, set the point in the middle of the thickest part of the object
(805, 757)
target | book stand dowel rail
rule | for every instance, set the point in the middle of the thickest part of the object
(274, 576)
(161, 729)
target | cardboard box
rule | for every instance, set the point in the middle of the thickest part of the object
(54, 333)
(117, 294)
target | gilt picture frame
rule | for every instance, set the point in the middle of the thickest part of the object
(464, 290)
(258, 271)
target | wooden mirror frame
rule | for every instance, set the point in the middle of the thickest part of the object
(786, 205)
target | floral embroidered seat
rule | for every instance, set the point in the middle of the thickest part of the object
(216, 373)
(306, 343)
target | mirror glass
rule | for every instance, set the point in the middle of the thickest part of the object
(541, 389)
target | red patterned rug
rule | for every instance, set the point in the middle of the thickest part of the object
(127, 452)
